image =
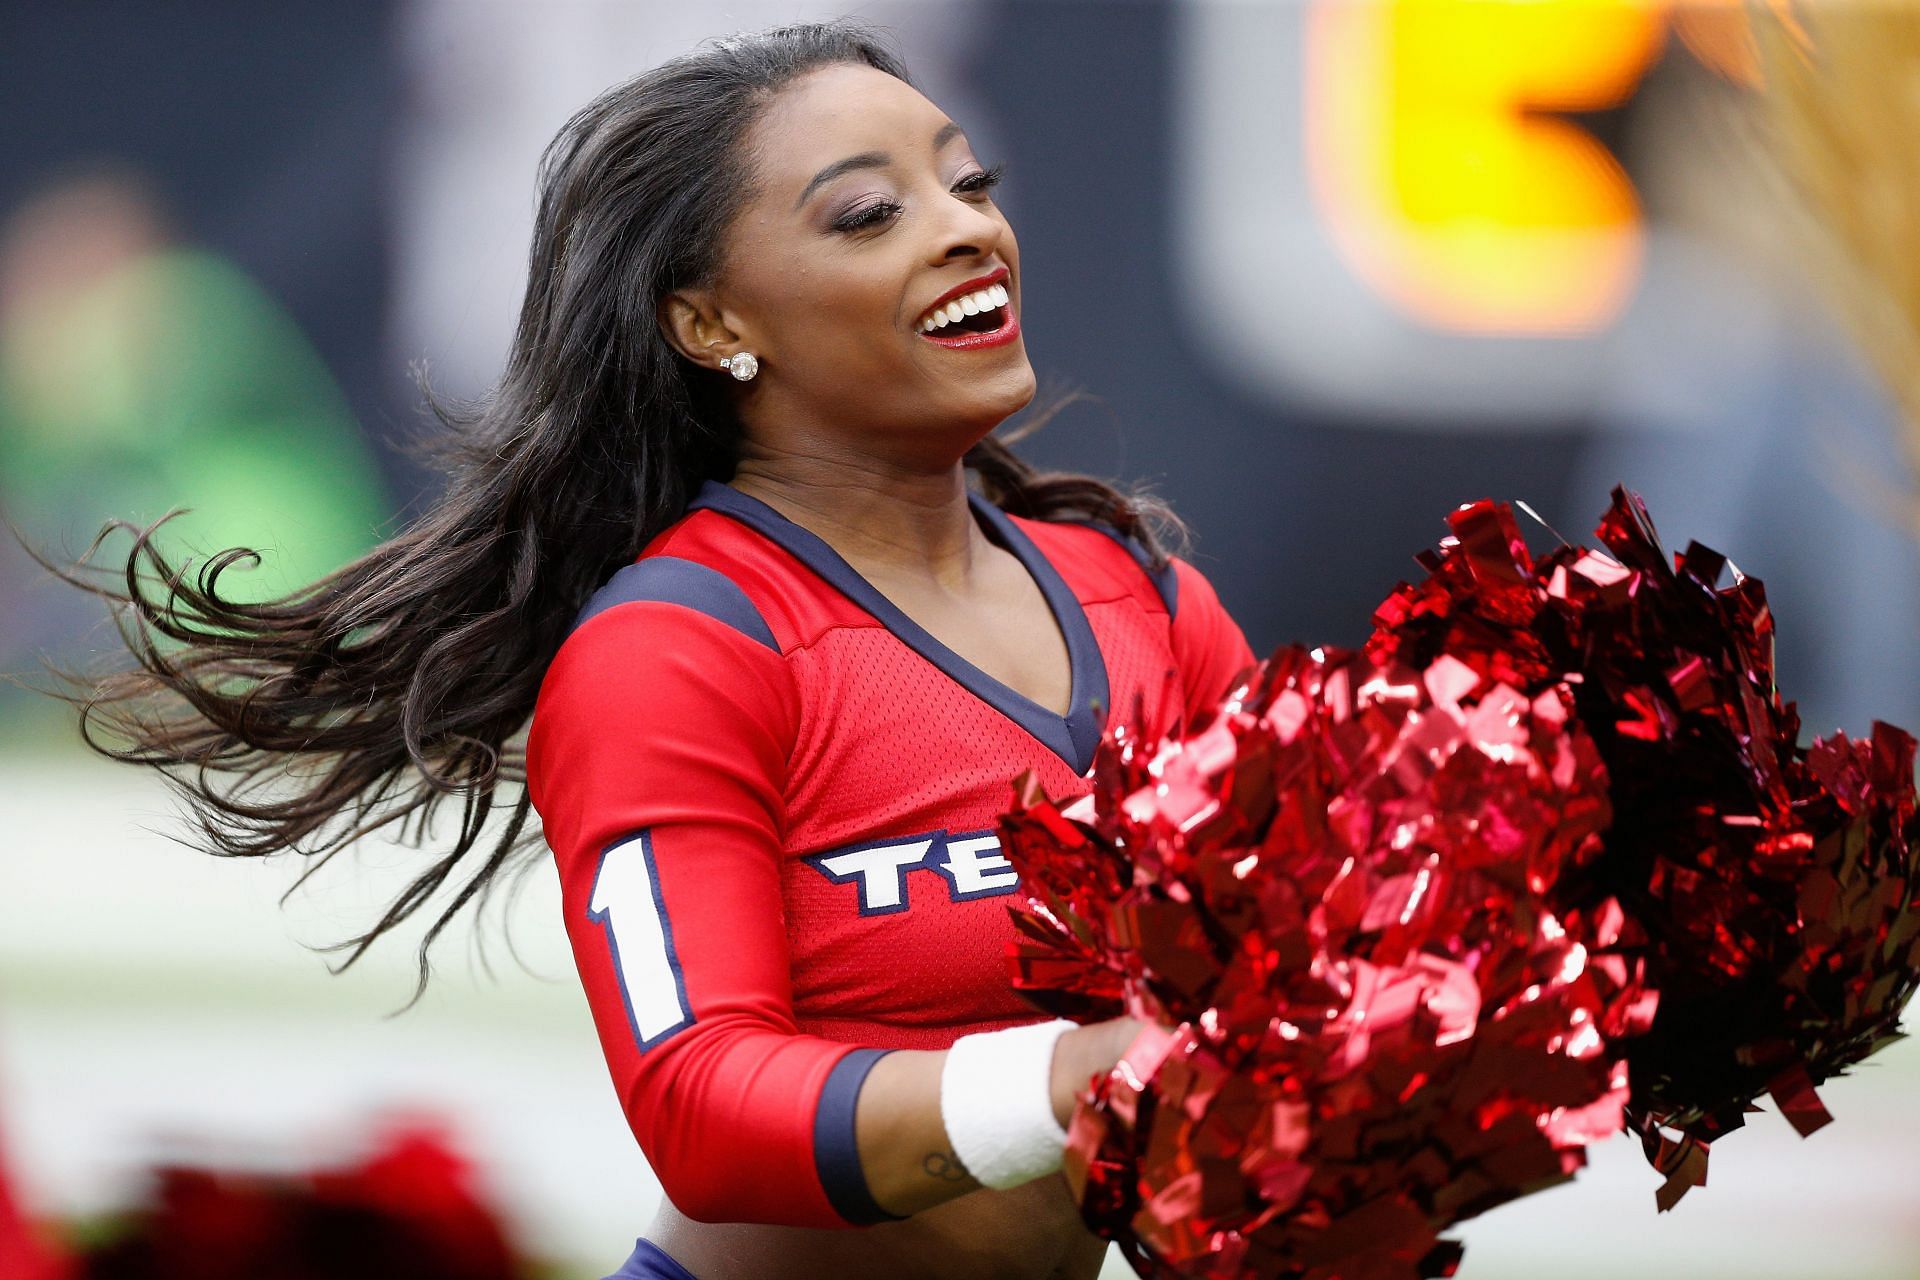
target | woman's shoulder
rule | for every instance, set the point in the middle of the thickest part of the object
(1100, 560)
(711, 565)
(685, 573)
(700, 599)
(673, 648)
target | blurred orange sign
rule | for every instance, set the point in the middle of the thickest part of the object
(1441, 162)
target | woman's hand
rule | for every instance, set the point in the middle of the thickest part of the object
(1085, 1052)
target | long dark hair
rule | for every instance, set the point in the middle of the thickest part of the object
(406, 678)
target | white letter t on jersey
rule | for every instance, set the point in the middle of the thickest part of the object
(881, 870)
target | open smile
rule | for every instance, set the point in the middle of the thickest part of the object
(976, 314)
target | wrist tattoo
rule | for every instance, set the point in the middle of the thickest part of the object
(945, 1166)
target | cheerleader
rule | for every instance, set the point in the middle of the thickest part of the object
(733, 552)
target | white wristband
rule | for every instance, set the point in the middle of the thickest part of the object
(996, 1100)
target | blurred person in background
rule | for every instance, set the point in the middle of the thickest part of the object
(139, 375)
(770, 325)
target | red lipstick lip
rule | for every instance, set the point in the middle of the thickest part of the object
(998, 275)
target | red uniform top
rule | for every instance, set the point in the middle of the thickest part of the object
(771, 797)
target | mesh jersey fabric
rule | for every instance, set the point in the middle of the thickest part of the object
(771, 800)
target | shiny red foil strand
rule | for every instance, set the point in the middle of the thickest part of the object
(1778, 886)
(1333, 894)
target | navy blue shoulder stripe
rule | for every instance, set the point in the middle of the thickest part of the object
(1164, 580)
(671, 580)
(836, 1157)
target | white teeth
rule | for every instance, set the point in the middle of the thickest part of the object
(976, 303)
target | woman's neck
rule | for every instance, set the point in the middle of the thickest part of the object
(884, 520)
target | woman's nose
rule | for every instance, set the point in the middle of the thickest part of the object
(967, 230)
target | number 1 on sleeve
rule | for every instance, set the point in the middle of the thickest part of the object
(626, 903)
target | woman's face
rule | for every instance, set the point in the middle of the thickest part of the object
(869, 208)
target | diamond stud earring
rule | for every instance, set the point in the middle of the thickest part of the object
(743, 367)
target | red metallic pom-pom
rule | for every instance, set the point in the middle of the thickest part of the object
(1408, 913)
(1777, 886)
(1334, 895)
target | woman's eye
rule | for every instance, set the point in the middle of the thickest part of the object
(984, 180)
(867, 215)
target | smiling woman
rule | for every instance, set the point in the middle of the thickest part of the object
(733, 545)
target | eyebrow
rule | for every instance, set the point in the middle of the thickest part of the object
(870, 160)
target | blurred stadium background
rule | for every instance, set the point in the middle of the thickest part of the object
(1325, 269)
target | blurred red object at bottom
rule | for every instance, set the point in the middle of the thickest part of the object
(411, 1209)
(24, 1253)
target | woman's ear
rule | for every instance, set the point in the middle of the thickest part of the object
(692, 322)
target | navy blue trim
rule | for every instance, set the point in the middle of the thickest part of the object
(1072, 737)
(605, 920)
(1165, 581)
(836, 1156)
(671, 580)
(650, 1262)
(818, 862)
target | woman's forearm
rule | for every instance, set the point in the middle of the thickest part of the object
(909, 1161)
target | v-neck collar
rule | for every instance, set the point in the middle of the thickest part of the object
(1073, 736)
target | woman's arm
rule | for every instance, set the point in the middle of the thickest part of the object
(909, 1162)
(656, 759)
